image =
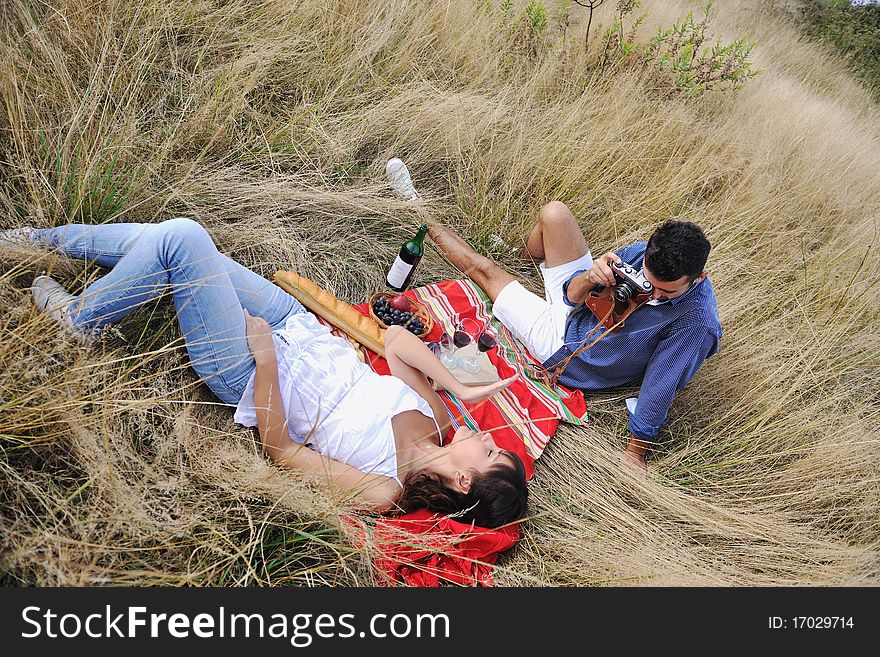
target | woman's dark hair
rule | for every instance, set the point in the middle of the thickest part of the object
(495, 498)
(676, 249)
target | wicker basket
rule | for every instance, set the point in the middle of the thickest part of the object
(420, 311)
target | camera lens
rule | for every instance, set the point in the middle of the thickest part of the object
(624, 292)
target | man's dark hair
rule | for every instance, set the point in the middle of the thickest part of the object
(676, 249)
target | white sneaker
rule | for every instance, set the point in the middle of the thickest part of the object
(51, 298)
(401, 181)
(17, 238)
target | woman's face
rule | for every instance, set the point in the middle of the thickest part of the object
(476, 450)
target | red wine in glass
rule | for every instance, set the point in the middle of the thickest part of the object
(461, 339)
(486, 342)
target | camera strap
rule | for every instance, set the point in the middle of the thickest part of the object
(551, 375)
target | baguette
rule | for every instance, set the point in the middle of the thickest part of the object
(339, 313)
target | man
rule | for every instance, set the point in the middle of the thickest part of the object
(662, 344)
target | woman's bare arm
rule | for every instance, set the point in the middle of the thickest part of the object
(378, 492)
(395, 342)
(411, 361)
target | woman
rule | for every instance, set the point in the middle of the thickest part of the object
(374, 437)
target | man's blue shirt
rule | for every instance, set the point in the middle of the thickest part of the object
(662, 345)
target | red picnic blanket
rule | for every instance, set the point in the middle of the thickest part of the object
(420, 549)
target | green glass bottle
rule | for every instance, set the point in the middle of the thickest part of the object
(404, 266)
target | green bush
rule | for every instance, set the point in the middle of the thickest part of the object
(854, 30)
(681, 52)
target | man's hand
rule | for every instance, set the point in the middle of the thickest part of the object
(600, 273)
(636, 453)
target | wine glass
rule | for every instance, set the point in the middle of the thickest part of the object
(466, 331)
(447, 352)
(486, 340)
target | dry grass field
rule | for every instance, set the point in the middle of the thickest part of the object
(270, 121)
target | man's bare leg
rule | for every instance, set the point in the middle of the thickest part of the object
(556, 237)
(481, 270)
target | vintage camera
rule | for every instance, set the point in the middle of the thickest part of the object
(614, 304)
(630, 282)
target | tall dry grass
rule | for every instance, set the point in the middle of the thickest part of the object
(270, 123)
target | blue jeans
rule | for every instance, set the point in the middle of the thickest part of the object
(209, 291)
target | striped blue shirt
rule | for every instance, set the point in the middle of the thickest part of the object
(661, 345)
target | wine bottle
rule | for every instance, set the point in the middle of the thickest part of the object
(404, 266)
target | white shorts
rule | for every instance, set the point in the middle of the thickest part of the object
(539, 323)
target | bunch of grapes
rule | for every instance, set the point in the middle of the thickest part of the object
(404, 318)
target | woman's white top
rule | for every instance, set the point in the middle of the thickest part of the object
(335, 403)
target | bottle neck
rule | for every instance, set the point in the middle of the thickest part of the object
(420, 236)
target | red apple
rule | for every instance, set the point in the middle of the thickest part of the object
(400, 302)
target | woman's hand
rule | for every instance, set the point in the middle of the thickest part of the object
(471, 394)
(259, 337)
